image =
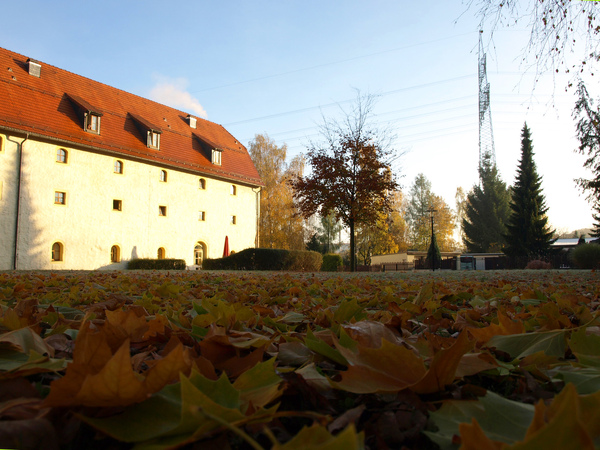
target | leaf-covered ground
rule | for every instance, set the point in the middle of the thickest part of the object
(217, 360)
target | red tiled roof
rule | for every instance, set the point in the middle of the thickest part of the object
(44, 107)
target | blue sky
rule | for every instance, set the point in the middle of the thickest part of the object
(276, 67)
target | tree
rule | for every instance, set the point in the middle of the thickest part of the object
(434, 256)
(588, 133)
(349, 171)
(329, 229)
(557, 27)
(280, 224)
(421, 199)
(486, 212)
(528, 234)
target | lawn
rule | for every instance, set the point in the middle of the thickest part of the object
(153, 360)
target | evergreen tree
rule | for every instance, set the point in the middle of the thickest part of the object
(486, 211)
(528, 234)
(434, 256)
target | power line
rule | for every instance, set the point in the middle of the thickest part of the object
(341, 61)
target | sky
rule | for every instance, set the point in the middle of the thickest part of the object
(280, 67)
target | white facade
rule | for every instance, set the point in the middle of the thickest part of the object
(104, 211)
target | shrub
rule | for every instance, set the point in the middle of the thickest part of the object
(586, 256)
(156, 264)
(267, 259)
(332, 262)
(537, 264)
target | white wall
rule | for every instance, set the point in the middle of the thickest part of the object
(88, 227)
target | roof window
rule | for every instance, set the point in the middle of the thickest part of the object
(216, 156)
(89, 115)
(150, 131)
(35, 68)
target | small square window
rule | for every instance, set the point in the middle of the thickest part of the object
(117, 205)
(162, 211)
(201, 216)
(61, 156)
(92, 123)
(233, 220)
(60, 198)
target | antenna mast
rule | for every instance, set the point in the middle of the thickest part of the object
(486, 135)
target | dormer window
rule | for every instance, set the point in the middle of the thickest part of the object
(153, 139)
(92, 123)
(150, 131)
(216, 156)
(90, 114)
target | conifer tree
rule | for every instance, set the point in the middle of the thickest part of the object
(486, 211)
(528, 234)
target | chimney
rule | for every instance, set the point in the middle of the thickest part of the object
(192, 121)
(35, 68)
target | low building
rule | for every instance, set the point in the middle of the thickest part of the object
(92, 176)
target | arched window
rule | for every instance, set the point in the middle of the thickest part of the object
(57, 251)
(163, 176)
(61, 156)
(118, 166)
(161, 253)
(199, 253)
(233, 190)
(202, 183)
(115, 254)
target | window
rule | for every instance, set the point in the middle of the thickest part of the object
(61, 155)
(117, 205)
(1, 144)
(163, 176)
(92, 123)
(233, 220)
(161, 253)
(57, 251)
(233, 190)
(60, 198)
(201, 216)
(115, 254)
(216, 156)
(202, 183)
(153, 139)
(162, 211)
(118, 166)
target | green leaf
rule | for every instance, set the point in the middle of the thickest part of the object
(586, 379)
(317, 437)
(259, 385)
(322, 348)
(552, 343)
(501, 419)
(347, 310)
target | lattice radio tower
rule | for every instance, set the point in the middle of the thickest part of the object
(486, 135)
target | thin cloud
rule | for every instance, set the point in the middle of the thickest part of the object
(173, 92)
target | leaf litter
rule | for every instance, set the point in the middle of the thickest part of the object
(159, 360)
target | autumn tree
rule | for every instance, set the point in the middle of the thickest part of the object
(557, 29)
(486, 212)
(528, 234)
(588, 134)
(349, 171)
(280, 224)
(421, 199)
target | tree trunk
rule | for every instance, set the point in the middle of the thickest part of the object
(352, 248)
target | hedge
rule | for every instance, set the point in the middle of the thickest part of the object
(586, 256)
(331, 262)
(267, 259)
(156, 264)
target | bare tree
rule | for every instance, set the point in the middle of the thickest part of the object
(557, 29)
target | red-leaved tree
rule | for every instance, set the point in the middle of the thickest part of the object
(350, 171)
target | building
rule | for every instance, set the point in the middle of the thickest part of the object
(92, 176)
